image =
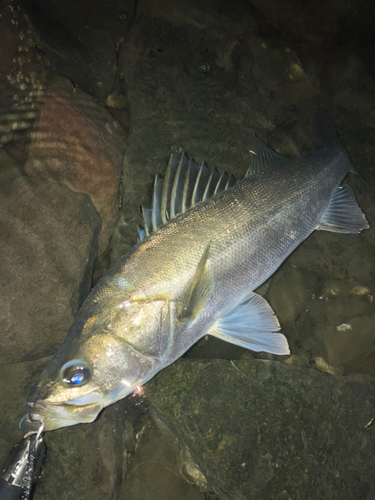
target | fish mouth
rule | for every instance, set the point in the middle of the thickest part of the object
(54, 416)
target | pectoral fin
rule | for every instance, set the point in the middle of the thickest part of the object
(343, 214)
(253, 325)
(200, 290)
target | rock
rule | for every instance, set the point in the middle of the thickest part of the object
(48, 248)
(16, 381)
(154, 471)
(205, 14)
(290, 289)
(340, 288)
(190, 113)
(76, 142)
(22, 73)
(93, 456)
(338, 256)
(337, 329)
(271, 429)
(350, 339)
(9, 168)
(336, 289)
(120, 455)
(81, 41)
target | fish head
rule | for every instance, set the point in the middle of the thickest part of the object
(98, 363)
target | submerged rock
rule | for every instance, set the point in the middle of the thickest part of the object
(338, 329)
(271, 431)
(192, 112)
(289, 291)
(48, 247)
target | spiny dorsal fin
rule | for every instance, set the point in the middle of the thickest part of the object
(264, 157)
(185, 185)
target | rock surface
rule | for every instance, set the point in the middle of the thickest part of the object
(48, 247)
(94, 468)
(182, 84)
(202, 76)
(271, 431)
(80, 39)
(121, 455)
(76, 142)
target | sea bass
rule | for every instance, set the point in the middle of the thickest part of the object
(207, 243)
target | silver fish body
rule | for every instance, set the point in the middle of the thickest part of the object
(193, 275)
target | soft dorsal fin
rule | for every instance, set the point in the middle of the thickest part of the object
(185, 184)
(264, 157)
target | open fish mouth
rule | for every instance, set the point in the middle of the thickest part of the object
(34, 418)
(31, 420)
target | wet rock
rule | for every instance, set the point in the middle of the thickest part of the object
(8, 41)
(76, 142)
(154, 469)
(290, 289)
(344, 289)
(350, 339)
(272, 429)
(9, 168)
(338, 329)
(190, 113)
(81, 41)
(93, 457)
(22, 72)
(337, 256)
(16, 381)
(48, 247)
(206, 14)
(286, 90)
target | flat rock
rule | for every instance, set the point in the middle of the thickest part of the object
(76, 142)
(48, 247)
(261, 429)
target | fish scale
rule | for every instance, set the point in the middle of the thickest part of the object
(193, 273)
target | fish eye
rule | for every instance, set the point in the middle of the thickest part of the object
(75, 373)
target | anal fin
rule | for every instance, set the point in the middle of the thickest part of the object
(253, 325)
(343, 214)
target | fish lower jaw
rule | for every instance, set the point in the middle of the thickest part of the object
(54, 416)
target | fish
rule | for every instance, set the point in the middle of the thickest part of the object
(207, 243)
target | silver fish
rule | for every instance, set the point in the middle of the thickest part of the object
(207, 243)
